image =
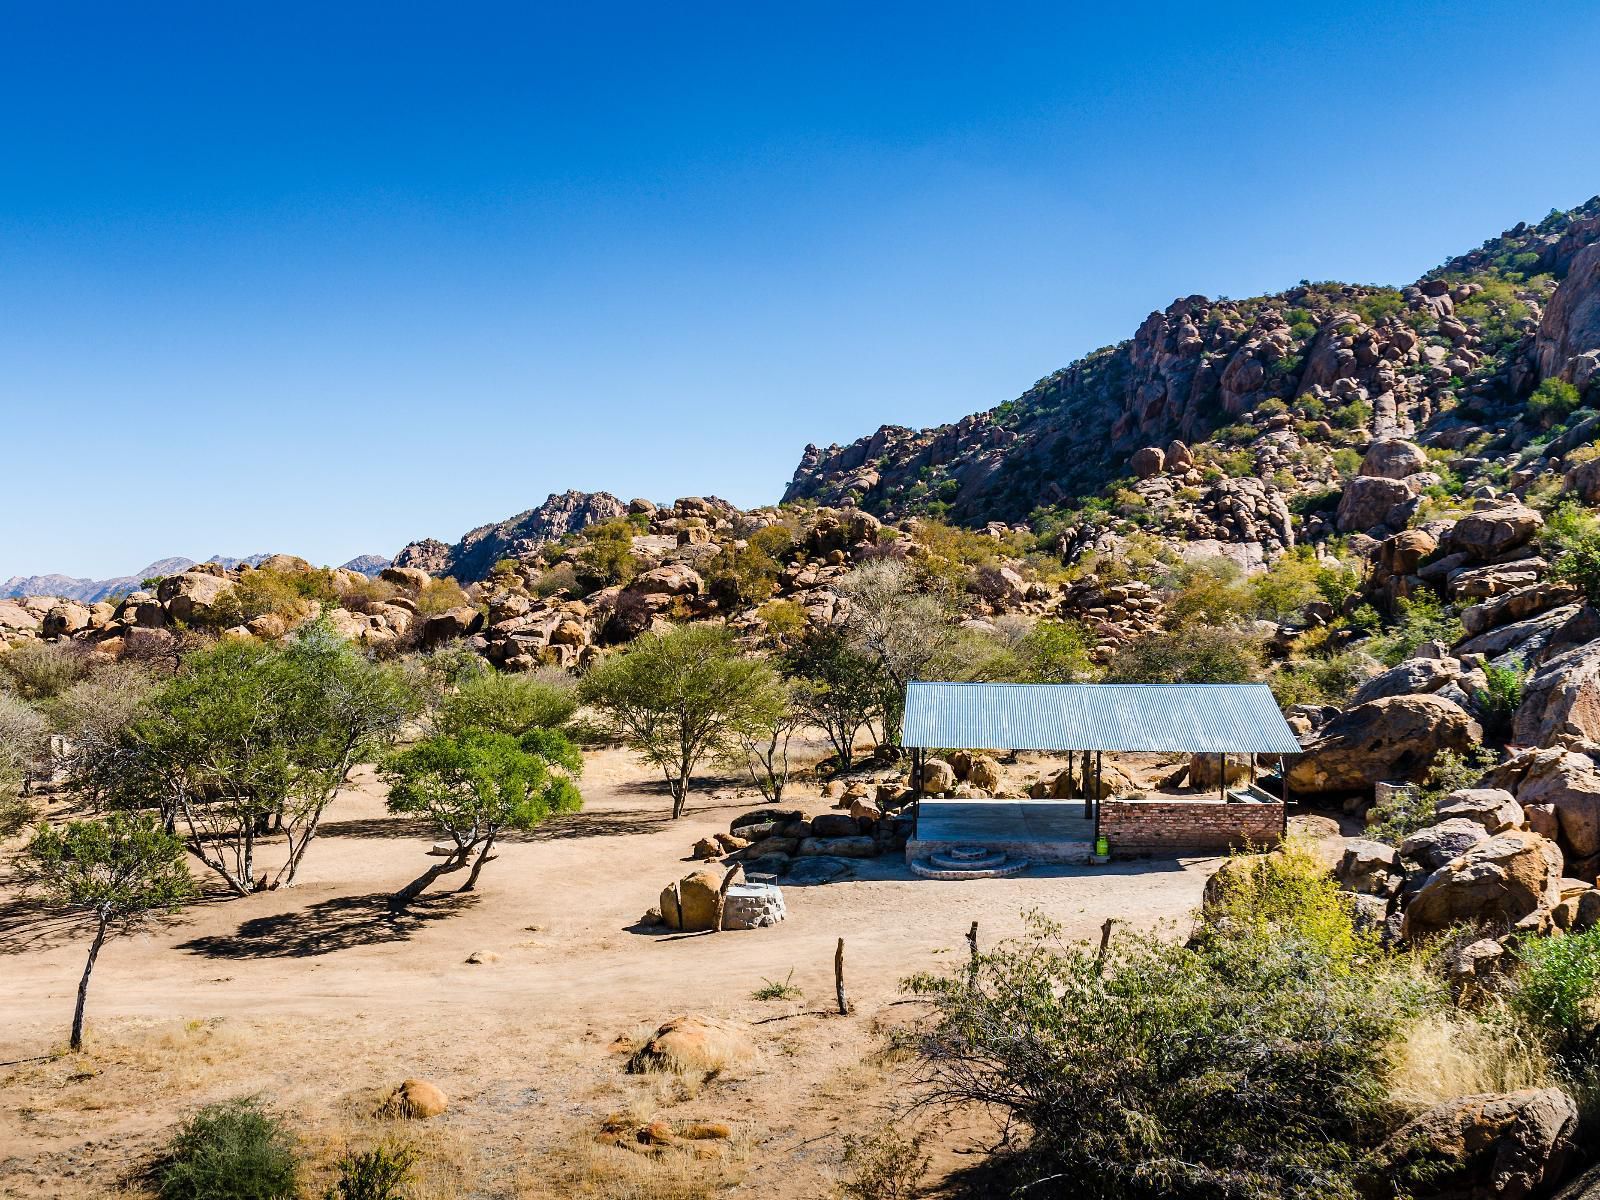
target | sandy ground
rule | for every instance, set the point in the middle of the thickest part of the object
(315, 998)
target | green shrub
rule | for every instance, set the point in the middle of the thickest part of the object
(1246, 1065)
(441, 595)
(888, 1164)
(607, 558)
(1567, 525)
(1419, 619)
(511, 704)
(1579, 565)
(266, 591)
(236, 1150)
(1553, 401)
(377, 1174)
(1557, 986)
(1500, 698)
(1193, 654)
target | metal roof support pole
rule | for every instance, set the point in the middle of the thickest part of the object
(1092, 799)
(1083, 787)
(1222, 779)
(916, 776)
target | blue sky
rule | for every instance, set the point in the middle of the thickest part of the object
(325, 278)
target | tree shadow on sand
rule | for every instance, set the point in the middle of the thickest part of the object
(339, 923)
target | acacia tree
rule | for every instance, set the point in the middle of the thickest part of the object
(116, 871)
(837, 687)
(252, 738)
(473, 786)
(763, 748)
(681, 696)
(906, 628)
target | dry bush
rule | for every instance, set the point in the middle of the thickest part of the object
(587, 1169)
(1441, 1055)
(363, 595)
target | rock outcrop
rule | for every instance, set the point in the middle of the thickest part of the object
(1390, 739)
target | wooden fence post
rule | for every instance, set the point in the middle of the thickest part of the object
(838, 979)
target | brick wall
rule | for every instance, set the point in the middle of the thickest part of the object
(1170, 826)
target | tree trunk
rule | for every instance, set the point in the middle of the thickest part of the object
(477, 866)
(680, 794)
(420, 884)
(83, 984)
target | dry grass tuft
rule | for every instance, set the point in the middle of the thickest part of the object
(1444, 1055)
(593, 1171)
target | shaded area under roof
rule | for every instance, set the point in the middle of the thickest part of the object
(1195, 718)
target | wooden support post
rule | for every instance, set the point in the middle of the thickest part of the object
(972, 957)
(838, 979)
(1105, 943)
(722, 895)
(1222, 777)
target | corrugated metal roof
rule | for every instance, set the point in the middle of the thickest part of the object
(1197, 718)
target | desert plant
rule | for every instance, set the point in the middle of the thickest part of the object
(1054, 652)
(254, 736)
(116, 872)
(1557, 988)
(24, 741)
(1553, 401)
(237, 1150)
(1193, 654)
(903, 627)
(1500, 697)
(441, 595)
(377, 1174)
(607, 557)
(777, 989)
(1578, 564)
(476, 785)
(839, 688)
(1245, 1065)
(682, 696)
(39, 670)
(886, 1164)
(505, 703)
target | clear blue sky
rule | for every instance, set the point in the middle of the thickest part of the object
(325, 278)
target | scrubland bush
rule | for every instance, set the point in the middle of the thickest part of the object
(1557, 988)
(1553, 401)
(1192, 654)
(377, 1174)
(786, 619)
(1054, 652)
(236, 1150)
(1329, 680)
(365, 594)
(1248, 1063)
(268, 591)
(607, 558)
(563, 577)
(39, 670)
(1418, 619)
(749, 574)
(441, 595)
(24, 739)
(510, 704)
(886, 1164)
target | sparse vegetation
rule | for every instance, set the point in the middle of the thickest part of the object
(115, 872)
(681, 697)
(237, 1150)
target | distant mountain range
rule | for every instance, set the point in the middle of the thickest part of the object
(90, 590)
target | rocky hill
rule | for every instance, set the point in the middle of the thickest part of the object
(472, 558)
(1388, 361)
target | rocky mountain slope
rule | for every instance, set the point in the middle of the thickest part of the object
(471, 558)
(1474, 332)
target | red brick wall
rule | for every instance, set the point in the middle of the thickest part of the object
(1168, 826)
